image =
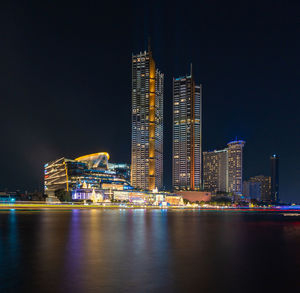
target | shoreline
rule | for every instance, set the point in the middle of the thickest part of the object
(39, 206)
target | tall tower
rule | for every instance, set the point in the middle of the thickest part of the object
(274, 159)
(187, 133)
(235, 166)
(147, 123)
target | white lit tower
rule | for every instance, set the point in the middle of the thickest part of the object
(187, 133)
(235, 166)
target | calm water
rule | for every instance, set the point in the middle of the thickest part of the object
(148, 251)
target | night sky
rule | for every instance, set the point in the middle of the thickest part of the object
(65, 84)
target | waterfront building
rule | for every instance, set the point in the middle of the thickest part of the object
(223, 169)
(274, 159)
(88, 193)
(215, 174)
(85, 172)
(264, 186)
(194, 196)
(147, 123)
(121, 169)
(235, 166)
(8, 196)
(251, 190)
(174, 200)
(187, 133)
(133, 195)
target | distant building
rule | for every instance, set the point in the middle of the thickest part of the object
(147, 123)
(274, 159)
(223, 169)
(187, 133)
(264, 186)
(235, 166)
(252, 190)
(215, 174)
(88, 193)
(133, 196)
(8, 196)
(194, 196)
(174, 200)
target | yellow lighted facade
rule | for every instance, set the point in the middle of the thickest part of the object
(147, 123)
(92, 156)
(94, 160)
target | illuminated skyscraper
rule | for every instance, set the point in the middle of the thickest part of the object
(187, 133)
(235, 166)
(147, 123)
(274, 178)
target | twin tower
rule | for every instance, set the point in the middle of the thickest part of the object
(147, 127)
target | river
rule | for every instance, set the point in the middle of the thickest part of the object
(110, 250)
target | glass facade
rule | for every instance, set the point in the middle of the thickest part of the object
(87, 173)
(187, 134)
(223, 169)
(215, 171)
(147, 123)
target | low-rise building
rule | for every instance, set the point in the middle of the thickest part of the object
(259, 184)
(174, 200)
(252, 190)
(194, 196)
(86, 172)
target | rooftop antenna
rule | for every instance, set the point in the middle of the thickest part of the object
(191, 69)
(149, 44)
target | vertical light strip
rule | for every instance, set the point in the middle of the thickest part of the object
(192, 133)
(67, 178)
(152, 123)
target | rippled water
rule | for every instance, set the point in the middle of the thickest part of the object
(148, 251)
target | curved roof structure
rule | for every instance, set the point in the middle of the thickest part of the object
(94, 160)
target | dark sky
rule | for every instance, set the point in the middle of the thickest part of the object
(65, 84)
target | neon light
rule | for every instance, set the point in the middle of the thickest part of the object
(90, 156)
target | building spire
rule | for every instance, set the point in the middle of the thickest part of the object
(149, 44)
(191, 69)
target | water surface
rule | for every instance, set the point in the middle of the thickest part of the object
(148, 251)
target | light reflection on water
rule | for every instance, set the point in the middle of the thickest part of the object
(147, 250)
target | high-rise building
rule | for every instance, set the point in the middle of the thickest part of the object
(147, 123)
(274, 159)
(235, 166)
(215, 175)
(187, 133)
(223, 169)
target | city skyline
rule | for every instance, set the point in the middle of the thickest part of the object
(61, 99)
(149, 146)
